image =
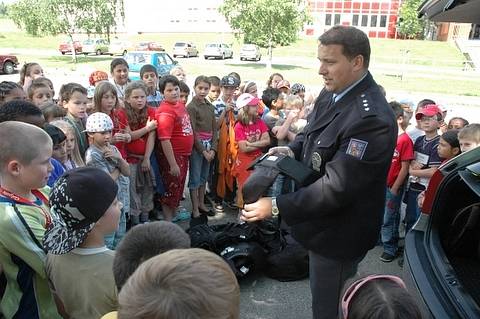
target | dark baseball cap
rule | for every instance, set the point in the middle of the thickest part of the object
(229, 81)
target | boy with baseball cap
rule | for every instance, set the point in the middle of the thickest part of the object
(426, 159)
(105, 156)
(84, 208)
(225, 103)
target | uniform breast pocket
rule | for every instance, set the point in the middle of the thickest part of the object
(322, 153)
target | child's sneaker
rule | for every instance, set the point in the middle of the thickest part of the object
(386, 257)
(181, 215)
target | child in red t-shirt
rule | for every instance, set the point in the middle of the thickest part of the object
(251, 134)
(395, 183)
(174, 144)
(139, 120)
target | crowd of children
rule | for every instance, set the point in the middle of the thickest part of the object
(119, 152)
(420, 150)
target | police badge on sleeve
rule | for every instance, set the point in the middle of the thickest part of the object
(356, 148)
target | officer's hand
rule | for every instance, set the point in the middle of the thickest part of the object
(259, 210)
(285, 150)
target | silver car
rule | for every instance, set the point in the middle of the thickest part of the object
(185, 49)
(218, 50)
(250, 52)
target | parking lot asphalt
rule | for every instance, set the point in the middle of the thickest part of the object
(265, 298)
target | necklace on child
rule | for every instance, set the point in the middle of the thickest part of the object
(21, 200)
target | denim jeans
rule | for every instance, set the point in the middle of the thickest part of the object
(412, 211)
(391, 222)
(112, 240)
(159, 188)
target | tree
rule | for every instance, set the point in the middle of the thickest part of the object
(52, 17)
(267, 23)
(410, 25)
(3, 9)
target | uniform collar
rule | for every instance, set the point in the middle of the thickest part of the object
(337, 97)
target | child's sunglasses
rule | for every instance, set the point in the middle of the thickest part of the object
(352, 290)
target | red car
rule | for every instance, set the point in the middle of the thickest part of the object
(8, 63)
(66, 47)
(149, 46)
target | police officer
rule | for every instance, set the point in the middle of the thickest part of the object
(349, 140)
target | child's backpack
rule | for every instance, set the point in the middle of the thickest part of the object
(258, 246)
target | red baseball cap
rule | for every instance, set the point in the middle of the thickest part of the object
(429, 110)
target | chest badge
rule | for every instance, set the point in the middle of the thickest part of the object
(356, 148)
(316, 161)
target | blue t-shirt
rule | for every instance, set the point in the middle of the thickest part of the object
(57, 171)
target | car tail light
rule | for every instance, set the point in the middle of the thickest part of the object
(431, 191)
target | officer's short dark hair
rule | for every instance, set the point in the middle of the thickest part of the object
(354, 42)
(397, 109)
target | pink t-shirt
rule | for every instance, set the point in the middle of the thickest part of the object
(250, 133)
(403, 152)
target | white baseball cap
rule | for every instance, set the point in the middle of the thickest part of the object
(98, 122)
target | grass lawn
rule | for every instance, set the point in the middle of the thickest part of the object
(384, 51)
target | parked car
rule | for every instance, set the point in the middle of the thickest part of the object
(97, 46)
(149, 46)
(161, 60)
(185, 49)
(442, 251)
(250, 52)
(66, 47)
(119, 47)
(8, 63)
(218, 50)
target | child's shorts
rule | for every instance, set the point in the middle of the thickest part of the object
(199, 169)
(173, 184)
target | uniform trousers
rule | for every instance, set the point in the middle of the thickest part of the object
(327, 278)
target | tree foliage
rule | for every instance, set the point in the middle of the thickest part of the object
(410, 25)
(3, 9)
(41, 17)
(266, 22)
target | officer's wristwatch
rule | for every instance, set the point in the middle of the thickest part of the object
(275, 210)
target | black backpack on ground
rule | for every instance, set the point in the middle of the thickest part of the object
(249, 247)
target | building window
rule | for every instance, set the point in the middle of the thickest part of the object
(364, 20)
(373, 21)
(383, 21)
(355, 20)
(337, 19)
(328, 19)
